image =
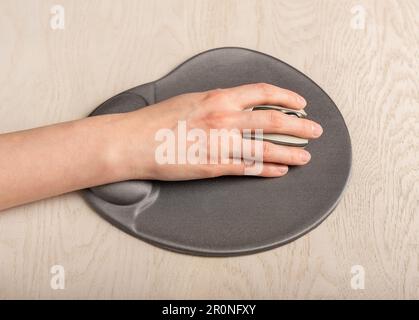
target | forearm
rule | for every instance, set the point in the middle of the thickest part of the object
(48, 161)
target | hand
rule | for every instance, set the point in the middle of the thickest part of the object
(135, 144)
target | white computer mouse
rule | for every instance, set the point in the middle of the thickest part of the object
(282, 139)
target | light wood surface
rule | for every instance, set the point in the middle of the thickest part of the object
(48, 76)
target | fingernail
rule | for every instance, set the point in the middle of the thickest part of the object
(301, 101)
(283, 169)
(317, 130)
(305, 156)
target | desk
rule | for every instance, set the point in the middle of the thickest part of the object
(51, 75)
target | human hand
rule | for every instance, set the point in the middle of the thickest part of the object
(134, 134)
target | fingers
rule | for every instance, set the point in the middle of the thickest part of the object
(272, 121)
(285, 155)
(270, 153)
(266, 170)
(275, 162)
(233, 146)
(262, 93)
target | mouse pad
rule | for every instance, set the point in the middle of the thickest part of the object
(229, 216)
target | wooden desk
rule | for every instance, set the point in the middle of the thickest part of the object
(48, 76)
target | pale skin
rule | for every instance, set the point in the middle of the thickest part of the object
(53, 160)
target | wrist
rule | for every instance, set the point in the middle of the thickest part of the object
(124, 150)
(110, 137)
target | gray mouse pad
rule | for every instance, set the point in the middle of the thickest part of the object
(230, 215)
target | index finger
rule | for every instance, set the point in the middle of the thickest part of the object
(249, 95)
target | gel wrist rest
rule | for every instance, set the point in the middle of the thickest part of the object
(230, 215)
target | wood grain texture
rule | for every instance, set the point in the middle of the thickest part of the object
(108, 46)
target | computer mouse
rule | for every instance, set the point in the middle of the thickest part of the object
(281, 139)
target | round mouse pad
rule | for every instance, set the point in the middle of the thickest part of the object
(230, 215)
